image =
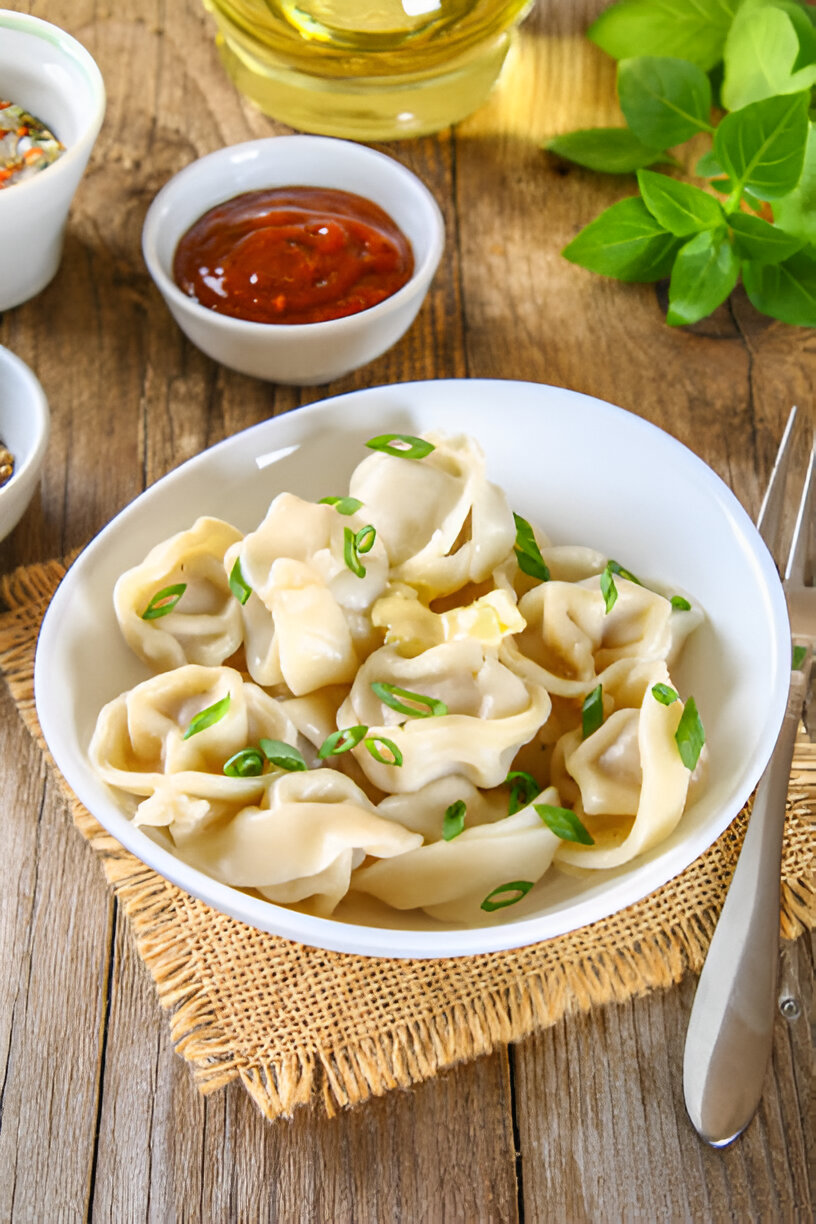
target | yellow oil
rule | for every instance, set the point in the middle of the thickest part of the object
(366, 69)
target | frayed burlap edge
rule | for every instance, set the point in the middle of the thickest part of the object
(579, 971)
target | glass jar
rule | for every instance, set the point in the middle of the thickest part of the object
(381, 70)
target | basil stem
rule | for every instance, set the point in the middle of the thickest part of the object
(564, 824)
(164, 601)
(238, 584)
(248, 763)
(523, 789)
(284, 755)
(207, 718)
(390, 695)
(690, 735)
(528, 554)
(519, 887)
(664, 693)
(403, 446)
(343, 505)
(453, 822)
(375, 744)
(592, 712)
(341, 741)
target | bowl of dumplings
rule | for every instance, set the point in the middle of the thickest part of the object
(432, 669)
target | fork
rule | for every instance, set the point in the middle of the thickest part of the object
(730, 1031)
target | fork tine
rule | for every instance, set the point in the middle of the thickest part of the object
(795, 571)
(769, 519)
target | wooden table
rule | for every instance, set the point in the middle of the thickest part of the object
(100, 1118)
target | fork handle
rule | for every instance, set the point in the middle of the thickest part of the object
(730, 1030)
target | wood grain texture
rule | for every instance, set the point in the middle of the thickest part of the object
(100, 1118)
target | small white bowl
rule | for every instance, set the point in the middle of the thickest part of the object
(52, 76)
(24, 428)
(303, 353)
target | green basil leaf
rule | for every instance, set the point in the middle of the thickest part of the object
(523, 789)
(564, 824)
(692, 30)
(762, 146)
(704, 273)
(664, 100)
(756, 239)
(516, 888)
(785, 291)
(610, 150)
(453, 822)
(690, 735)
(592, 712)
(626, 242)
(707, 166)
(679, 207)
(796, 212)
(761, 53)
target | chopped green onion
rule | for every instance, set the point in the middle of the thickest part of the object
(374, 742)
(248, 763)
(343, 505)
(365, 537)
(608, 588)
(350, 553)
(207, 718)
(592, 712)
(238, 584)
(523, 788)
(690, 735)
(616, 568)
(528, 554)
(519, 887)
(164, 601)
(390, 695)
(680, 604)
(798, 657)
(403, 446)
(453, 822)
(564, 824)
(284, 755)
(664, 693)
(341, 741)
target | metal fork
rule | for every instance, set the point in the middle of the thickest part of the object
(730, 1030)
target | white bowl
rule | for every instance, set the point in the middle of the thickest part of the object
(52, 76)
(24, 428)
(588, 473)
(304, 353)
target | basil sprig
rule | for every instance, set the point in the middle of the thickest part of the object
(749, 210)
(164, 601)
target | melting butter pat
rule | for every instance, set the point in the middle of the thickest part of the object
(413, 627)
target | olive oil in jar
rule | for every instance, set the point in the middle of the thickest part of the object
(366, 69)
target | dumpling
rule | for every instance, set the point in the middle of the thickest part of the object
(443, 523)
(204, 625)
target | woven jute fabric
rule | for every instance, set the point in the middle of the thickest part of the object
(297, 1024)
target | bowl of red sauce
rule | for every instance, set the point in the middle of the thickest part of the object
(294, 259)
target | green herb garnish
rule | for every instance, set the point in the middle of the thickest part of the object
(343, 505)
(375, 744)
(518, 887)
(616, 568)
(798, 656)
(453, 822)
(364, 539)
(592, 712)
(680, 604)
(238, 584)
(608, 588)
(164, 601)
(341, 741)
(283, 755)
(523, 789)
(665, 694)
(421, 707)
(248, 763)
(350, 553)
(564, 824)
(207, 718)
(528, 554)
(403, 446)
(690, 735)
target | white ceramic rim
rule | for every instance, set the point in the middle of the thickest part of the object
(26, 24)
(38, 403)
(402, 943)
(156, 215)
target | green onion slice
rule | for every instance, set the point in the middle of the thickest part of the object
(238, 584)
(690, 735)
(564, 824)
(207, 718)
(680, 604)
(403, 446)
(350, 553)
(616, 568)
(608, 588)
(164, 601)
(284, 755)
(375, 744)
(523, 789)
(665, 694)
(798, 657)
(343, 505)
(341, 741)
(248, 763)
(453, 822)
(528, 554)
(423, 707)
(592, 712)
(518, 887)
(365, 537)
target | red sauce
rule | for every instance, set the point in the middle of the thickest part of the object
(293, 255)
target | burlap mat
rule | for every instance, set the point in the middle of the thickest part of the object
(295, 1023)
